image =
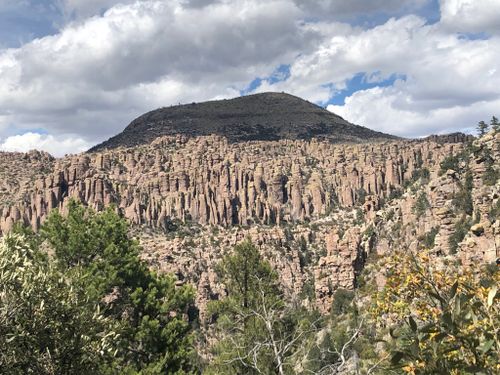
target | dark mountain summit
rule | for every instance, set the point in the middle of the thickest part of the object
(267, 117)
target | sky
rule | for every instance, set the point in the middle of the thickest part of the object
(76, 72)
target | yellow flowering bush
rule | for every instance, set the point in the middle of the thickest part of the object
(442, 318)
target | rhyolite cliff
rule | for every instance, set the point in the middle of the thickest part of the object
(318, 210)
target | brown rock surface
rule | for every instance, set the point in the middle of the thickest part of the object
(210, 181)
(316, 210)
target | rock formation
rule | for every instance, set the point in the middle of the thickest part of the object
(316, 210)
(210, 181)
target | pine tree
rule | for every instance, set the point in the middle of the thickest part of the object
(495, 125)
(260, 331)
(145, 311)
(482, 128)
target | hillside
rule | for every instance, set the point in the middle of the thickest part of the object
(191, 199)
(331, 219)
(264, 117)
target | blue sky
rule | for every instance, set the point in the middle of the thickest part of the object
(361, 81)
(22, 21)
(75, 72)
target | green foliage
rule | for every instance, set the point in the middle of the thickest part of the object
(249, 283)
(246, 276)
(345, 338)
(456, 162)
(144, 312)
(428, 239)
(494, 213)
(495, 125)
(446, 320)
(370, 231)
(342, 301)
(482, 128)
(305, 256)
(462, 227)
(260, 332)
(390, 215)
(308, 291)
(450, 162)
(360, 196)
(360, 217)
(395, 194)
(491, 174)
(421, 174)
(462, 200)
(421, 205)
(48, 325)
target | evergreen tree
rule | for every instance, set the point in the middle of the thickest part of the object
(482, 128)
(247, 276)
(495, 125)
(48, 325)
(260, 333)
(95, 260)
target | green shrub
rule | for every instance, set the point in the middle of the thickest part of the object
(494, 213)
(395, 194)
(360, 196)
(48, 325)
(454, 162)
(462, 227)
(100, 308)
(445, 320)
(428, 239)
(491, 175)
(462, 200)
(421, 205)
(342, 301)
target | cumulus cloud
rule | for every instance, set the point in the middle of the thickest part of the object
(98, 73)
(341, 9)
(81, 9)
(449, 79)
(381, 108)
(57, 146)
(105, 67)
(471, 15)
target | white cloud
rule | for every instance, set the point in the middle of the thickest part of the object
(57, 146)
(98, 73)
(95, 76)
(81, 9)
(342, 9)
(474, 16)
(382, 108)
(449, 79)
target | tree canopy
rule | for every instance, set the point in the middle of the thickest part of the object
(92, 293)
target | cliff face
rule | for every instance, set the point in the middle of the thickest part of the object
(317, 210)
(210, 181)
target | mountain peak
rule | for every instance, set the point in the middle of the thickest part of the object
(265, 116)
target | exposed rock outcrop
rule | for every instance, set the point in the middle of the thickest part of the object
(316, 210)
(210, 181)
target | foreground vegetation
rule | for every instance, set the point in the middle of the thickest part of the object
(77, 299)
(89, 305)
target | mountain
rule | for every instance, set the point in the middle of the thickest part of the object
(330, 218)
(263, 117)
